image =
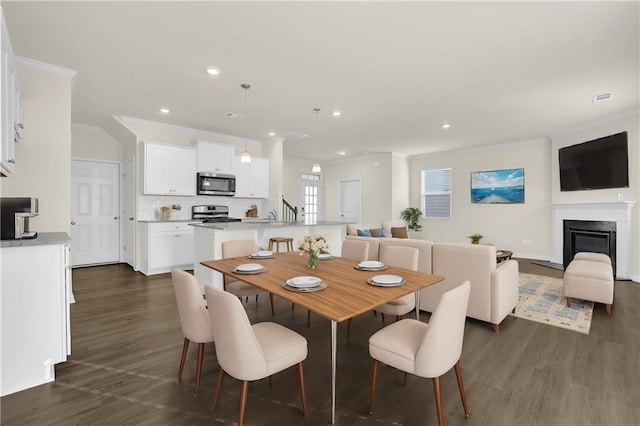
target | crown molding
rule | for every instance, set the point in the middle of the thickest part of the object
(48, 68)
(597, 123)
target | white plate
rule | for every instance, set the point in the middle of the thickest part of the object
(387, 279)
(325, 256)
(304, 282)
(264, 253)
(249, 267)
(370, 264)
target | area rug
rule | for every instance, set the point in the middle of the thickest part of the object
(542, 300)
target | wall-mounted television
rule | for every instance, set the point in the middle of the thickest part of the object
(597, 164)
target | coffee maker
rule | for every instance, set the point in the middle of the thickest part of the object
(14, 217)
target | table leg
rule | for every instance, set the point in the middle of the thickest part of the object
(334, 344)
(418, 305)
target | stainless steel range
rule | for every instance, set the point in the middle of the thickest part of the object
(212, 213)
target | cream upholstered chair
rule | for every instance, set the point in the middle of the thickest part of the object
(251, 352)
(426, 350)
(194, 318)
(401, 257)
(237, 248)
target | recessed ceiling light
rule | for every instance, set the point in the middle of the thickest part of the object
(341, 153)
(336, 113)
(446, 125)
(213, 70)
(272, 133)
(165, 110)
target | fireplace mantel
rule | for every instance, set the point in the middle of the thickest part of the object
(619, 212)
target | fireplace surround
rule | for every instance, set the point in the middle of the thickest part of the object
(617, 212)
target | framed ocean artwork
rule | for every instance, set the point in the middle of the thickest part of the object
(498, 186)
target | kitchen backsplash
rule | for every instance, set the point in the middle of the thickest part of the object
(149, 206)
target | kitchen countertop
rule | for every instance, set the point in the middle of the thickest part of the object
(44, 238)
(230, 226)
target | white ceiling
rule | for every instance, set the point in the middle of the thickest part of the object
(498, 72)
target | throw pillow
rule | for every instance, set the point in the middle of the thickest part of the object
(376, 232)
(364, 233)
(399, 232)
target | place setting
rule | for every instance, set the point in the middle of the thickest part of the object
(386, 280)
(305, 284)
(262, 254)
(250, 268)
(371, 265)
(325, 256)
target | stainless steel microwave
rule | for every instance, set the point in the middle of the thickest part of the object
(216, 184)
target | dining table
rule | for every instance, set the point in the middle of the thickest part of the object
(349, 290)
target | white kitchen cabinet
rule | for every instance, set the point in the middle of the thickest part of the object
(11, 105)
(252, 179)
(169, 169)
(36, 292)
(165, 245)
(214, 157)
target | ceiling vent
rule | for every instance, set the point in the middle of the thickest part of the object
(601, 97)
(233, 115)
(294, 135)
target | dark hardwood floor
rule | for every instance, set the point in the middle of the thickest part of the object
(127, 342)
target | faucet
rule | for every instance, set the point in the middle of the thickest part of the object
(273, 214)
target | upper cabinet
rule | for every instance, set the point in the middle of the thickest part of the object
(169, 169)
(214, 157)
(11, 105)
(252, 179)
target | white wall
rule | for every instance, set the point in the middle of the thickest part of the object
(521, 228)
(630, 123)
(43, 159)
(93, 143)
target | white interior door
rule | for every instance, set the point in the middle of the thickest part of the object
(127, 213)
(94, 213)
(350, 203)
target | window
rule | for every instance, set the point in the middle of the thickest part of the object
(436, 193)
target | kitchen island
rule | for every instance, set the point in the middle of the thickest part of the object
(209, 237)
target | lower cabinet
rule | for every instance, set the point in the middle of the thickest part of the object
(35, 313)
(165, 245)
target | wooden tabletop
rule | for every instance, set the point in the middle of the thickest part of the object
(348, 294)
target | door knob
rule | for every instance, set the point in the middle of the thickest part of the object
(130, 218)
(73, 222)
(115, 218)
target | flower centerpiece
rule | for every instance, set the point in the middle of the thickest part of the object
(314, 245)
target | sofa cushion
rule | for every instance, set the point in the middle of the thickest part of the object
(376, 232)
(364, 233)
(399, 232)
(386, 226)
(352, 228)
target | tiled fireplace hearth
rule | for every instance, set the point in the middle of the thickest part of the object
(598, 227)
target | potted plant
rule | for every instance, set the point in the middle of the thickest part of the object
(412, 216)
(475, 238)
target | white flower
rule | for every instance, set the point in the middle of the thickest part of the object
(316, 243)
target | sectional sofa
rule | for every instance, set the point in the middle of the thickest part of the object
(494, 286)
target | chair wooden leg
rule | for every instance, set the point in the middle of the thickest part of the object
(293, 306)
(461, 388)
(382, 315)
(375, 313)
(349, 329)
(199, 367)
(438, 396)
(397, 317)
(243, 401)
(185, 348)
(404, 379)
(257, 298)
(496, 328)
(374, 378)
(568, 302)
(303, 396)
(308, 319)
(273, 312)
(608, 308)
(218, 386)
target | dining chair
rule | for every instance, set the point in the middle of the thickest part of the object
(426, 350)
(194, 318)
(237, 248)
(401, 257)
(251, 352)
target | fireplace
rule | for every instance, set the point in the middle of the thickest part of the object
(589, 236)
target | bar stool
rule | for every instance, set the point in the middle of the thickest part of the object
(278, 240)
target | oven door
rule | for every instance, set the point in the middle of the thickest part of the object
(216, 184)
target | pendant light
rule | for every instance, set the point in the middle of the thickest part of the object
(245, 157)
(316, 166)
